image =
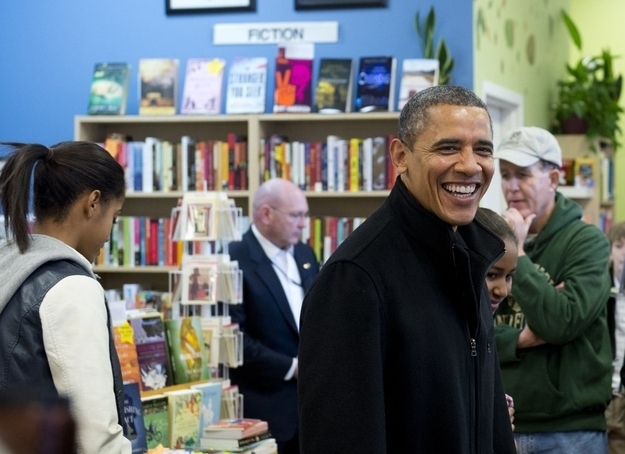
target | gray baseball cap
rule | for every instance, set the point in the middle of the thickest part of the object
(525, 146)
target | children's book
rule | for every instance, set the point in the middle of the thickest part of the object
(149, 335)
(158, 86)
(184, 418)
(417, 74)
(375, 84)
(109, 89)
(211, 403)
(133, 426)
(294, 71)
(203, 86)
(127, 352)
(246, 85)
(186, 349)
(334, 85)
(156, 420)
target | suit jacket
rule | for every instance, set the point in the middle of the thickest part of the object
(271, 338)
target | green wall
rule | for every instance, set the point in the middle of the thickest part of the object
(521, 45)
(601, 25)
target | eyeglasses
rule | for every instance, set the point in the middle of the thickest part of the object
(292, 216)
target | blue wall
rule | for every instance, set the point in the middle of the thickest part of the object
(48, 49)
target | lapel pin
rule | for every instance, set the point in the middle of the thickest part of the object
(306, 266)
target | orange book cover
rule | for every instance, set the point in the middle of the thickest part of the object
(127, 352)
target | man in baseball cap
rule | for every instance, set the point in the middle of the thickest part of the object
(551, 333)
(528, 145)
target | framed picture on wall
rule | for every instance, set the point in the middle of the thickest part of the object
(208, 6)
(334, 4)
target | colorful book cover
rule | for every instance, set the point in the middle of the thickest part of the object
(149, 337)
(378, 161)
(417, 74)
(334, 85)
(375, 84)
(585, 172)
(156, 420)
(211, 403)
(158, 86)
(294, 70)
(186, 349)
(133, 426)
(246, 86)
(184, 418)
(127, 352)
(203, 86)
(109, 89)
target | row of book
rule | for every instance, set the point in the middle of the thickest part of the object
(154, 165)
(157, 353)
(246, 84)
(144, 241)
(194, 417)
(337, 164)
(325, 234)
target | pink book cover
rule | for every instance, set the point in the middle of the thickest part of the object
(203, 85)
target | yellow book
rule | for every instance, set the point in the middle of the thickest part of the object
(354, 164)
(585, 172)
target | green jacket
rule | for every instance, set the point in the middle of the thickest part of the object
(565, 384)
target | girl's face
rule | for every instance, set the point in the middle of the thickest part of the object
(499, 277)
(617, 257)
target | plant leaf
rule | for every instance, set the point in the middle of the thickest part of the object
(573, 31)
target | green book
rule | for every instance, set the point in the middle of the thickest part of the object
(156, 420)
(186, 349)
(109, 89)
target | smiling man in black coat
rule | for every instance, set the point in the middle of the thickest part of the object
(397, 351)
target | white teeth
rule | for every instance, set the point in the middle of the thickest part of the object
(470, 189)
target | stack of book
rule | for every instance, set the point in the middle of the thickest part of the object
(241, 435)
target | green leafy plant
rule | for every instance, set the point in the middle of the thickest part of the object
(590, 92)
(440, 51)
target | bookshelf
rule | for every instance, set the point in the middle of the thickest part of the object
(597, 201)
(297, 127)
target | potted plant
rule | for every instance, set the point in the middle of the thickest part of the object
(439, 51)
(587, 100)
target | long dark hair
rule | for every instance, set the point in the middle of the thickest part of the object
(60, 175)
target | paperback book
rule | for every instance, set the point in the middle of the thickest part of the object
(375, 84)
(109, 89)
(127, 352)
(246, 86)
(334, 85)
(156, 420)
(203, 86)
(133, 426)
(293, 92)
(158, 86)
(211, 403)
(149, 336)
(184, 418)
(186, 349)
(417, 74)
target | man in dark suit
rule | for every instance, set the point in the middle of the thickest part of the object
(277, 270)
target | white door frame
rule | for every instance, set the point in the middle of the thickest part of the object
(506, 109)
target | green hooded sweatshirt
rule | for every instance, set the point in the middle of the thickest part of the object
(565, 384)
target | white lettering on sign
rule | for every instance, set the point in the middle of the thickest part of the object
(276, 32)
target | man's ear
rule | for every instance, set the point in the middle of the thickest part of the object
(264, 213)
(399, 153)
(554, 178)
